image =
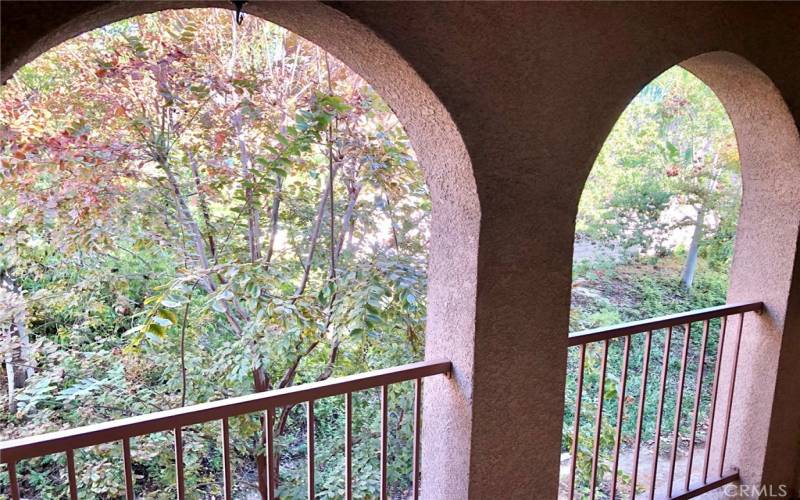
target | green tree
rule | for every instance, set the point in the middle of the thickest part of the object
(196, 210)
(670, 162)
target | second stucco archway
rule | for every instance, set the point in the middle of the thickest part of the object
(763, 267)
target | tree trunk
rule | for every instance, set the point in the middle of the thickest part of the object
(260, 379)
(347, 219)
(186, 217)
(251, 200)
(18, 358)
(350, 237)
(689, 269)
(25, 368)
(315, 235)
(273, 228)
(390, 214)
(201, 201)
(261, 384)
(9, 367)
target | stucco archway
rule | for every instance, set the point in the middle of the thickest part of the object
(764, 424)
(448, 172)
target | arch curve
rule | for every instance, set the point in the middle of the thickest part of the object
(446, 164)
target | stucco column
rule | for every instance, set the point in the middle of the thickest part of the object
(506, 410)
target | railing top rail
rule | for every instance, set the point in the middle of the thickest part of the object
(106, 432)
(611, 332)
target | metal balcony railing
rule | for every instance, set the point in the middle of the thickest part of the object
(175, 420)
(621, 337)
(610, 487)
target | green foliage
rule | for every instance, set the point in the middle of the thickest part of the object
(671, 153)
(166, 216)
(634, 212)
(629, 292)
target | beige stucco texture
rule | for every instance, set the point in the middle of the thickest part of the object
(507, 105)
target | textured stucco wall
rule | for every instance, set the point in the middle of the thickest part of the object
(507, 105)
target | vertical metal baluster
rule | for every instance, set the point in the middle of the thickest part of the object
(348, 446)
(576, 424)
(731, 389)
(620, 414)
(384, 438)
(270, 454)
(598, 420)
(678, 404)
(12, 480)
(417, 422)
(714, 388)
(73, 484)
(310, 449)
(698, 388)
(227, 485)
(179, 463)
(642, 393)
(659, 415)
(128, 465)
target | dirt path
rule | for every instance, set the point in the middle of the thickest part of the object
(645, 472)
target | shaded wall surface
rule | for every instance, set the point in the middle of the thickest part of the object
(530, 90)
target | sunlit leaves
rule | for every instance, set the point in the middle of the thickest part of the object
(132, 187)
(136, 46)
(672, 151)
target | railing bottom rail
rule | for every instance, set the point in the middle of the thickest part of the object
(698, 489)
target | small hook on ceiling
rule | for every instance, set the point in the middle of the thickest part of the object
(239, 12)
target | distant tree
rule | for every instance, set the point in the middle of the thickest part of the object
(672, 151)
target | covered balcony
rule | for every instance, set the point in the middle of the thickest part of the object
(507, 106)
